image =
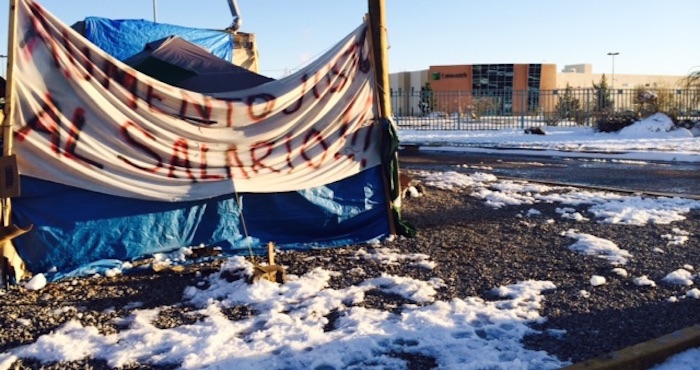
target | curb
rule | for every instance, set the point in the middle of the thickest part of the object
(646, 354)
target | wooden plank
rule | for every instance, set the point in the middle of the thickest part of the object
(646, 354)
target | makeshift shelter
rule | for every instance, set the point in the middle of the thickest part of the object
(122, 38)
(180, 63)
(116, 165)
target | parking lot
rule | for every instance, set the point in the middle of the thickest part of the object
(662, 178)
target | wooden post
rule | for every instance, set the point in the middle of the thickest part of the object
(7, 123)
(380, 50)
(7, 139)
(380, 60)
(270, 253)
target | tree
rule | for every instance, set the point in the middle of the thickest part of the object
(569, 106)
(652, 100)
(481, 105)
(427, 99)
(603, 102)
(692, 82)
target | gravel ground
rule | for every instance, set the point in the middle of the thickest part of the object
(476, 248)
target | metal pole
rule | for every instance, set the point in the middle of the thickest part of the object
(612, 82)
(155, 11)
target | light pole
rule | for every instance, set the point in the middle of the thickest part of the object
(155, 11)
(612, 82)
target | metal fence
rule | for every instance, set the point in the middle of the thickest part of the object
(499, 109)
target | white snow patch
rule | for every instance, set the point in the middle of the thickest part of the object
(602, 248)
(37, 282)
(643, 281)
(679, 277)
(597, 280)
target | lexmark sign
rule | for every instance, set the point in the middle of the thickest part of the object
(440, 76)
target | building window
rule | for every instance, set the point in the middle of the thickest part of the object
(534, 76)
(495, 83)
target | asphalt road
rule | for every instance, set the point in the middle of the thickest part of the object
(661, 178)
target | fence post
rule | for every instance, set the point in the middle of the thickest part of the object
(459, 109)
(588, 107)
(523, 102)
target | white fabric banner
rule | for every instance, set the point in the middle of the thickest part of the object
(85, 119)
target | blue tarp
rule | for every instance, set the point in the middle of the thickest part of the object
(75, 227)
(126, 37)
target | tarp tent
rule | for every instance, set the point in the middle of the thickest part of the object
(180, 63)
(116, 165)
(122, 38)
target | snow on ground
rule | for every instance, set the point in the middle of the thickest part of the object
(288, 330)
(650, 139)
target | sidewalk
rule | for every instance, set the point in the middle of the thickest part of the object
(652, 139)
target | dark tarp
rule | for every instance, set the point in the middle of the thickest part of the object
(2, 93)
(181, 63)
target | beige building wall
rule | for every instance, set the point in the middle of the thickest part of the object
(405, 89)
(622, 81)
(578, 68)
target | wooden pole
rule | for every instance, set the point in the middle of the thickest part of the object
(380, 46)
(380, 60)
(7, 132)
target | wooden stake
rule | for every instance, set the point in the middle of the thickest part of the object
(270, 272)
(271, 253)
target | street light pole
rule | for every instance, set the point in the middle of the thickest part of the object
(612, 83)
(155, 11)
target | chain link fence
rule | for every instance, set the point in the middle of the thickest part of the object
(500, 109)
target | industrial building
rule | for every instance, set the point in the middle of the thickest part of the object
(515, 88)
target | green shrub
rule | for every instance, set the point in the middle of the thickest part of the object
(614, 122)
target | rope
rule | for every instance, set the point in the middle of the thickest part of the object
(245, 228)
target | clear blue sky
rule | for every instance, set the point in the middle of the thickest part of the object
(652, 36)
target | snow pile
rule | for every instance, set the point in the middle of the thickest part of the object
(652, 126)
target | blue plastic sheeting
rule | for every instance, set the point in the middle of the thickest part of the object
(124, 38)
(75, 228)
